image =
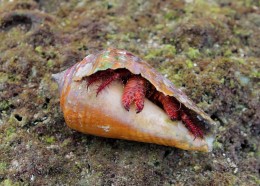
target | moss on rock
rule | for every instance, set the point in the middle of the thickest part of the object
(209, 48)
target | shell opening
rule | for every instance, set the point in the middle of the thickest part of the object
(151, 89)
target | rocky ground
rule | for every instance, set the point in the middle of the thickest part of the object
(210, 48)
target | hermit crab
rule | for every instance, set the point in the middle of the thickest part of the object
(115, 94)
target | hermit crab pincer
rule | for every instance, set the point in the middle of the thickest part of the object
(115, 94)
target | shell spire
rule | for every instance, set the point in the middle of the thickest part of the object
(59, 79)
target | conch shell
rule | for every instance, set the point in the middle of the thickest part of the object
(104, 115)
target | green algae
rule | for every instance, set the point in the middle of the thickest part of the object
(39, 50)
(4, 105)
(3, 167)
(49, 139)
(193, 53)
(189, 63)
(165, 50)
(8, 182)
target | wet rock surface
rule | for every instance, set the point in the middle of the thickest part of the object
(211, 49)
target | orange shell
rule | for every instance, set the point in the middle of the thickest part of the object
(104, 115)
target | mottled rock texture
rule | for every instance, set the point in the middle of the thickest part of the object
(210, 48)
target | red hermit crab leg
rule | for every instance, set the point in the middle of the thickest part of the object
(174, 111)
(107, 77)
(195, 130)
(134, 91)
(106, 82)
(171, 107)
(97, 76)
